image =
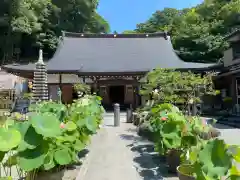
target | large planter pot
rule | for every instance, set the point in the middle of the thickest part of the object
(173, 160)
(136, 119)
(185, 172)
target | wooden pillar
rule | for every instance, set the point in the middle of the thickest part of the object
(136, 96)
(95, 85)
(135, 93)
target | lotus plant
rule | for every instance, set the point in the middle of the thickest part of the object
(52, 136)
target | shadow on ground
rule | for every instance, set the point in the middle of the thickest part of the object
(147, 162)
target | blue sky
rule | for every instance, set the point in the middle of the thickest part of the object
(125, 14)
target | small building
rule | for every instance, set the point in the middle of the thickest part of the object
(112, 64)
(7, 82)
(228, 81)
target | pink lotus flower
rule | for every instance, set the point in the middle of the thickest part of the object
(163, 118)
(62, 125)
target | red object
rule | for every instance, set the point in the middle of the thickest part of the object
(62, 125)
(163, 118)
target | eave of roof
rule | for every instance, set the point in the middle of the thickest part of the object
(112, 53)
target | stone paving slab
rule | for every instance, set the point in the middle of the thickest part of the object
(108, 158)
(229, 134)
(118, 153)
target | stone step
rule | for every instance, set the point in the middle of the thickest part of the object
(21, 105)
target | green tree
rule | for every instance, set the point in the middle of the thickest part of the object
(197, 33)
(160, 20)
(129, 32)
(28, 24)
(171, 86)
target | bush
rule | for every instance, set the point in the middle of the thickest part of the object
(52, 136)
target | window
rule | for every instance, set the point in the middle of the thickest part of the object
(236, 50)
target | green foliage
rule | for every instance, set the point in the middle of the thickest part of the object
(26, 24)
(172, 130)
(53, 135)
(83, 88)
(167, 85)
(89, 115)
(9, 138)
(46, 124)
(6, 178)
(215, 160)
(198, 32)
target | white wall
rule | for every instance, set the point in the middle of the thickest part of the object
(66, 78)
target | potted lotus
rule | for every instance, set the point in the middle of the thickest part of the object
(173, 135)
(212, 159)
(204, 129)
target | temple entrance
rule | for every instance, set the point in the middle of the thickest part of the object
(116, 94)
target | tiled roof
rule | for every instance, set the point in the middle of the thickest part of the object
(99, 53)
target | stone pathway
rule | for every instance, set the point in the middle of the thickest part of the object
(118, 153)
(229, 134)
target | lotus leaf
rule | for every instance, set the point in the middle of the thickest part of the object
(170, 134)
(74, 156)
(233, 177)
(49, 161)
(215, 159)
(6, 178)
(81, 122)
(9, 139)
(189, 140)
(172, 143)
(2, 154)
(170, 130)
(63, 156)
(32, 139)
(9, 122)
(234, 171)
(22, 127)
(46, 124)
(66, 138)
(70, 126)
(94, 108)
(79, 145)
(11, 161)
(31, 159)
(235, 151)
(91, 124)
